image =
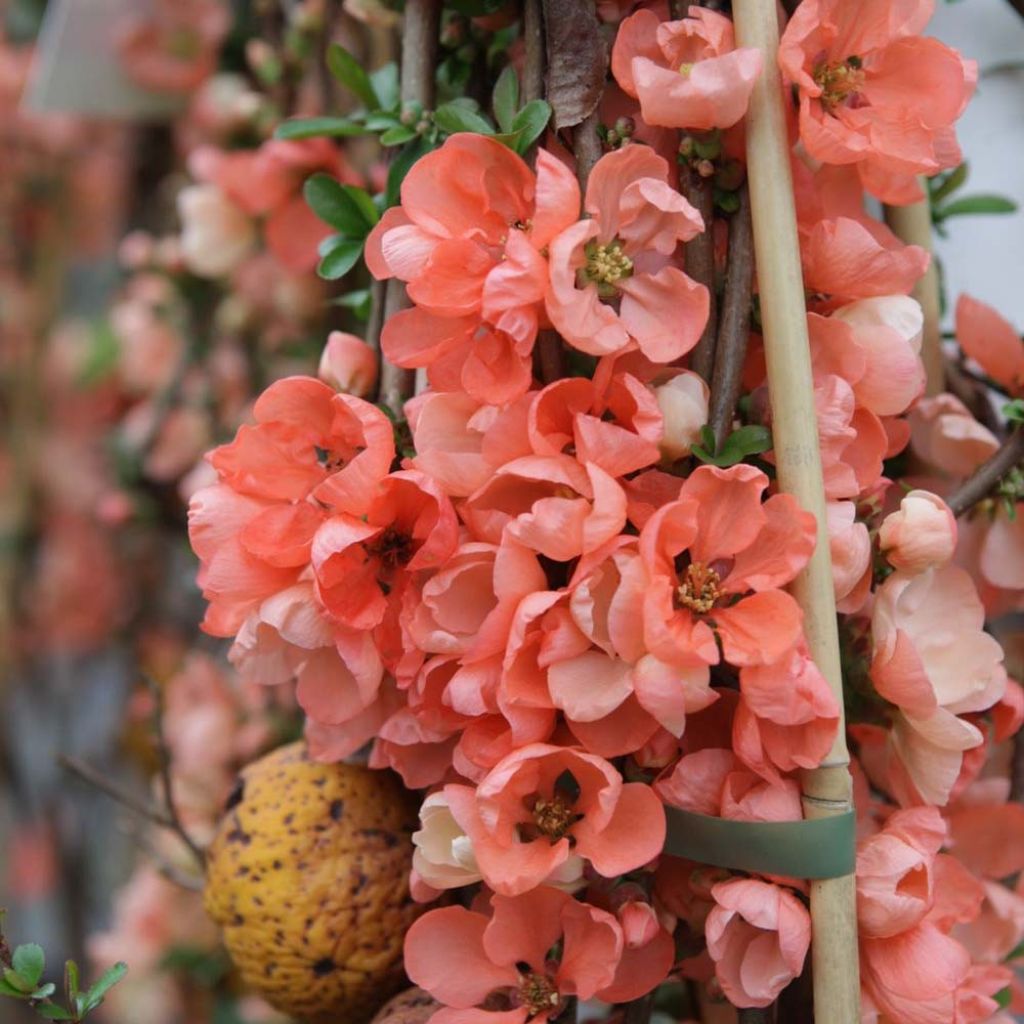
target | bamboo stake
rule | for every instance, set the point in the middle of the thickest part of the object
(827, 789)
(913, 225)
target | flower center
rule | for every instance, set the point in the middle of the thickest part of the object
(839, 83)
(554, 817)
(606, 265)
(700, 588)
(538, 993)
(685, 69)
(393, 548)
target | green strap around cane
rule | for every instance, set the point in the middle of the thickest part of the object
(816, 848)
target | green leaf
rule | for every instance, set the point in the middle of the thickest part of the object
(749, 440)
(1003, 997)
(397, 135)
(335, 204)
(317, 127)
(71, 979)
(530, 123)
(110, 978)
(364, 202)
(505, 99)
(340, 258)
(976, 204)
(400, 166)
(382, 121)
(44, 991)
(347, 70)
(52, 1011)
(29, 961)
(385, 85)
(10, 990)
(358, 301)
(1014, 411)
(942, 186)
(455, 117)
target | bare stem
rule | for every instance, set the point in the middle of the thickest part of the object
(586, 145)
(700, 264)
(639, 1010)
(550, 363)
(128, 800)
(533, 40)
(755, 1015)
(734, 326)
(981, 483)
(419, 57)
(166, 780)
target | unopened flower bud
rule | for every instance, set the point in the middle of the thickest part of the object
(683, 401)
(639, 923)
(921, 535)
(348, 364)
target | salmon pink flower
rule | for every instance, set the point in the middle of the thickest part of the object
(466, 959)
(216, 233)
(850, 544)
(364, 563)
(758, 935)
(895, 877)
(543, 804)
(686, 73)
(467, 239)
(944, 434)
(787, 717)
(623, 252)
(683, 401)
(921, 535)
(716, 559)
(992, 342)
(875, 93)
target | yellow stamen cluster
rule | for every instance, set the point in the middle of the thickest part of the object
(607, 264)
(685, 69)
(699, 590)
(553, 817)
(838, 82)
(538, 993)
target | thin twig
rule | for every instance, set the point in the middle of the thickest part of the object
(166, 779)
(734, 326)
(1018, 6)
(94, 778)
(699, 253)
(419, 57)
(586, 146)
(169, 871)
(984, 479)
(550, 363)
(533, 41)
(1017, 769)
(974, 394)
(755, 1015)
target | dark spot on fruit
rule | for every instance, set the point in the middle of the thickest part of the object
(236, 795)
(323, 967)
(337, 809)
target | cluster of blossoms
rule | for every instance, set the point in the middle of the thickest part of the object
(542, 610)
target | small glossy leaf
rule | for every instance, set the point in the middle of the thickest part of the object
(12, 991)
(110, 978)
(382, 121)
(347, 70)
(317, 127)
(340, 259)
(44, 991)
(334, 204)
(71, 978)
(29, 962)
(530, 123)
(1014, 411)
(364, 201)
(942, 187)
(397, 135)
(52, 1011)
(454, 117)
(505, 99)
(976, 204)
(385, 85)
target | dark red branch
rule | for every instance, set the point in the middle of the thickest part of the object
(983, 481)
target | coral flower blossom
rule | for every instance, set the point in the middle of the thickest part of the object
(467, 239)
(686, 73)
(613, 285)
(758, 935)
(874, 93)
(716, 560)
(992, 342)
(543, 804)
(499, 969)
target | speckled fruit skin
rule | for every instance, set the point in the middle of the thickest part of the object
(413, 1006)
(308, 878)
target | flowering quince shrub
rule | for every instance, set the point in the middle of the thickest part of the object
(510, 547)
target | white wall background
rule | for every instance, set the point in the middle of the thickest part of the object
(984, 255)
